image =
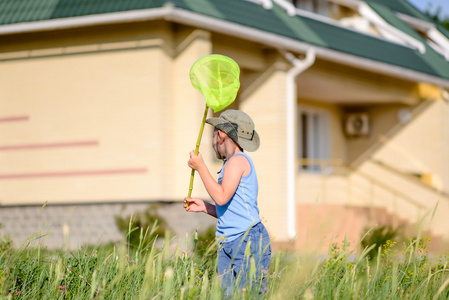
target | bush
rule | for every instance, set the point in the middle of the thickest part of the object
(205, 242)
(5, 243)
(379, 237)
(142, 228)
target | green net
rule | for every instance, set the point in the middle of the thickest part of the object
(217, 78)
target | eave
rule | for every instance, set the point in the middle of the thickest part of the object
(182, 16)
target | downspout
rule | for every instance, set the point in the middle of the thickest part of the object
(299, 66)
(445, 96)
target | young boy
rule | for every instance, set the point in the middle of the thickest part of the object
(235, 195)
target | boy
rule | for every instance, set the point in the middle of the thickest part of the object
(235, 195)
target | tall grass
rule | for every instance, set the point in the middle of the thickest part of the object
(148, 272)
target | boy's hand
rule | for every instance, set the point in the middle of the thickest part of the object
(195, 205)
(195, 162)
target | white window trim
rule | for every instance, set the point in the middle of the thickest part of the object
(324, 138)
(387, 31)
(437, 40)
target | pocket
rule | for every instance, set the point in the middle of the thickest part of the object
(231, 247)
(227, 248)
(242, 244)
(266, 243)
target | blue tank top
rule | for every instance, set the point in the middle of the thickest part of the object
(241, 211)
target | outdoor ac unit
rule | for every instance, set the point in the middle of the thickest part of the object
(357, 124)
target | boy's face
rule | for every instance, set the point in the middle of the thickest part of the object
(216, 140)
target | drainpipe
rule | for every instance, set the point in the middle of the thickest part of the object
(299, 66)
(445, 187)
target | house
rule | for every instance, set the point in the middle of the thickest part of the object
(97, 114)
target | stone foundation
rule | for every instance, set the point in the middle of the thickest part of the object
(70, 226)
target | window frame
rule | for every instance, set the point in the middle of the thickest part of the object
(318, 141)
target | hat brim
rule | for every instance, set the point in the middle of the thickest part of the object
(216, 121)
(248, 145)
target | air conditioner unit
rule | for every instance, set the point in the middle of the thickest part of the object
(357, 124)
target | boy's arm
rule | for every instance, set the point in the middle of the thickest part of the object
(210, 209)
(198, 205)
(233, 172)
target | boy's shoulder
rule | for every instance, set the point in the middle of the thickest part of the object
(239, 162)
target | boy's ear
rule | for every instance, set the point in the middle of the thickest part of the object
(222, 134)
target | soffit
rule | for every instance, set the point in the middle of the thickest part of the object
(329, 82)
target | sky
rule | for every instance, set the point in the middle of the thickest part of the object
(423, 5)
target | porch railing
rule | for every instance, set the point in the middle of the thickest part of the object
(326, 167)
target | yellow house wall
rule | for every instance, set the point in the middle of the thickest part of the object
(420, 147)
(186, 112)
(267, 107)
(415, 147)
(400, 202)
(84, 112)
(382, 120)
(126, 126)
(142, 121)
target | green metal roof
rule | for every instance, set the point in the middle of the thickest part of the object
(403, 7)
(251, 15)
(443, 31)
(431, 58)
(18, 11)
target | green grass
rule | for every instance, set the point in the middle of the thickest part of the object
(147, 272)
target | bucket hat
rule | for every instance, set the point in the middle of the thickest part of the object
(239, 127)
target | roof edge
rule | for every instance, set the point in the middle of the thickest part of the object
(279, 42)
(171, 13)
(89, 20)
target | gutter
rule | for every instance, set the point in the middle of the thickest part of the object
(171, 13)
(89, 20)
(299, 66)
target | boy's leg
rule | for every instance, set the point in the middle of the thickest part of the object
(225, 268)
(234, 264)
(263, 255)
(259, 245)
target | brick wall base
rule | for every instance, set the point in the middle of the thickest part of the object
(71, 226)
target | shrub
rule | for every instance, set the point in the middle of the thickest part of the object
(379, 237)
(5, 243)
(142, 228)
(205, 242)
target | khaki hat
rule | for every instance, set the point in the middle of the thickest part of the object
(239, 127)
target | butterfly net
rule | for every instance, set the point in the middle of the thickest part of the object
(217, 78)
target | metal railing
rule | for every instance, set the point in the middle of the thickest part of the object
(325, 170)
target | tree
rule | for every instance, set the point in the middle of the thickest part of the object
(437, 17)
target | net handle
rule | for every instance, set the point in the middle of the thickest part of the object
(198, 142)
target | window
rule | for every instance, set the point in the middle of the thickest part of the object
(317, 6)
(314, 144)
